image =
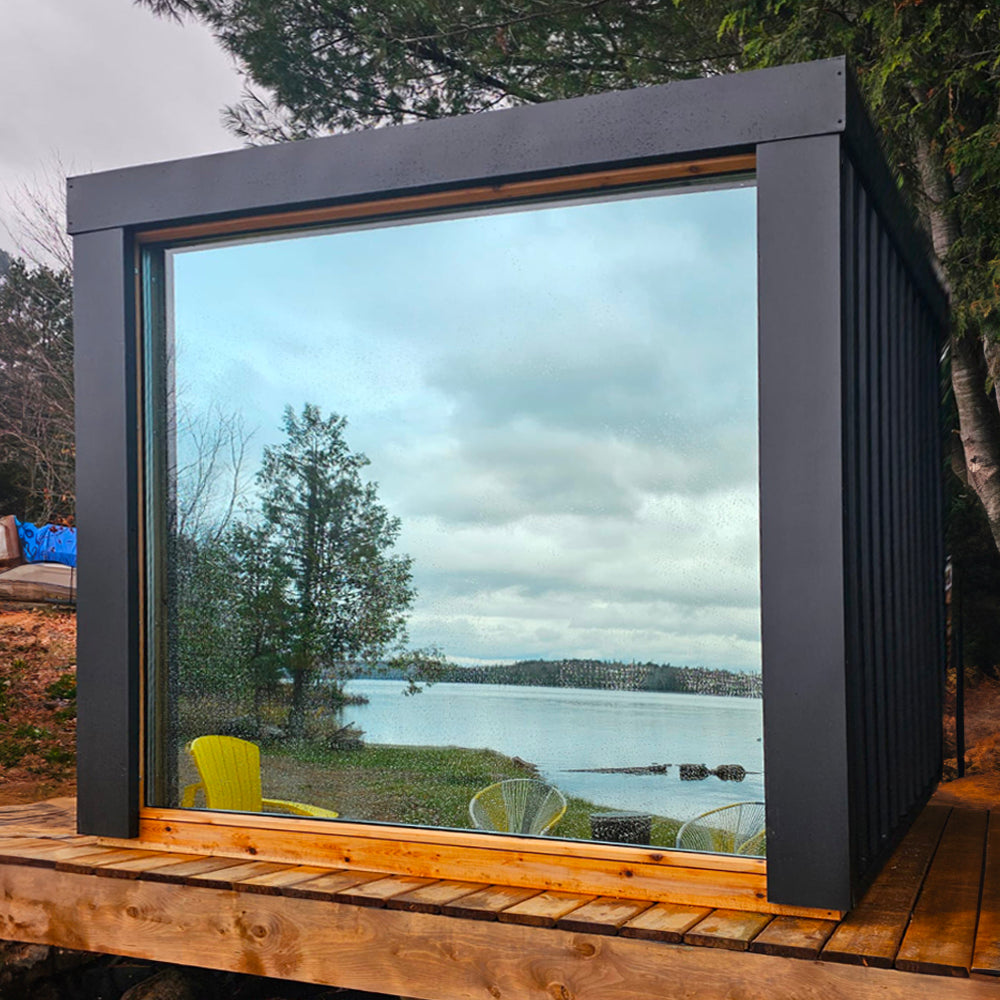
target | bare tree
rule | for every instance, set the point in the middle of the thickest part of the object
(208, 471)
(36, 222)
(36, 389)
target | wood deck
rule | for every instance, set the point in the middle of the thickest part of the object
(929, 925)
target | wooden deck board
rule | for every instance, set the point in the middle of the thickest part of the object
(139, 865)
(88, 864)
(487, 903)
(54, 817)
(942, 930)
(379, 891)
(664, 922)
(986, 952)
(180, 871)
(42, 853)
(543, 910)
(329, 885)
(227, 876)
(870, 934)
(430, 898)
(603, 915)
(274, 883)
(731, 929)
(793, 937)
(922, 916)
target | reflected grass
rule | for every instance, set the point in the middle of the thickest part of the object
(415, 785)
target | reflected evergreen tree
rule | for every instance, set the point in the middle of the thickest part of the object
(348, 593)
(206, 642)
(260, 582)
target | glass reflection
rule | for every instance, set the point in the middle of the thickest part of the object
(462, 524)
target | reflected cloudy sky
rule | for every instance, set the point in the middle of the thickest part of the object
(560, 405)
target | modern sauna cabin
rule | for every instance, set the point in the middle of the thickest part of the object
(622, 410)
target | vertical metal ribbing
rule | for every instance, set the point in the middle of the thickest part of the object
(881, 554)
(909, 460)
(853, 504)
(865, 674)
(895, 462)
(927, 384)
(891, 517)
(904, 462)
(934, 548)
(932, 582)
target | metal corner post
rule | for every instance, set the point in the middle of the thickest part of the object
(107, 515)
(802, 522)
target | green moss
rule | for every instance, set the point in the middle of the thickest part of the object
(63, 689)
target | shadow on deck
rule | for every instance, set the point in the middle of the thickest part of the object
(929, 925)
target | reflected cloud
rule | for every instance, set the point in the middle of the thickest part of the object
(560, 405)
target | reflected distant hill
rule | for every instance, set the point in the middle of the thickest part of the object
(606, 676)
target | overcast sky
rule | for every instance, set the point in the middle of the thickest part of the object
(101, 84)
(560, 405)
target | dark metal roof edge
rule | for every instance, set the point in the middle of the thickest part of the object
(702, 116)
(900, 217)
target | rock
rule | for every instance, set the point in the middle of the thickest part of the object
(66, 958)
(169, 984)
(22, 963)
(24, 967)
(349, 737)
(20, 957)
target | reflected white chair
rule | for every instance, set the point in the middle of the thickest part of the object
(517, 805)
(734, 829)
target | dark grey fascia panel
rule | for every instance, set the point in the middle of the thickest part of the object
(107, 518)
(806, 775)
(685, 118)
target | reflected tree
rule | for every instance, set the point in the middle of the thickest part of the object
(348, 593)
(259, 582)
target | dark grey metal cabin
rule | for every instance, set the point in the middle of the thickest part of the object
(851, 321)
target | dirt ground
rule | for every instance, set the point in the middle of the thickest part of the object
(37, 704)
(980, 786)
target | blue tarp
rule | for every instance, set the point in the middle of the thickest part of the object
(48, 543)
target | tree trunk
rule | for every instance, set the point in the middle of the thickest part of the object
(297, 713)
(979, 423)
(978, 415)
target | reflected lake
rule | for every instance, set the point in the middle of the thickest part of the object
(561, 728)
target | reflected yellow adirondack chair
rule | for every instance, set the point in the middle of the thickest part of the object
(230, 779)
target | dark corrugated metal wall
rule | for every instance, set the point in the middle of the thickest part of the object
(894, 559)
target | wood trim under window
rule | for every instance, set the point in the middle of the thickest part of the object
(711, 880)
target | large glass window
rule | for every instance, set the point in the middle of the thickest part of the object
(453, 520)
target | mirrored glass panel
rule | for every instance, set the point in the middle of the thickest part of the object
(453, 522)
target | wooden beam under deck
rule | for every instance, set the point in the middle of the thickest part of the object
(454, 940)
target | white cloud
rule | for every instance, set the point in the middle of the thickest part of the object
(103, 84)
